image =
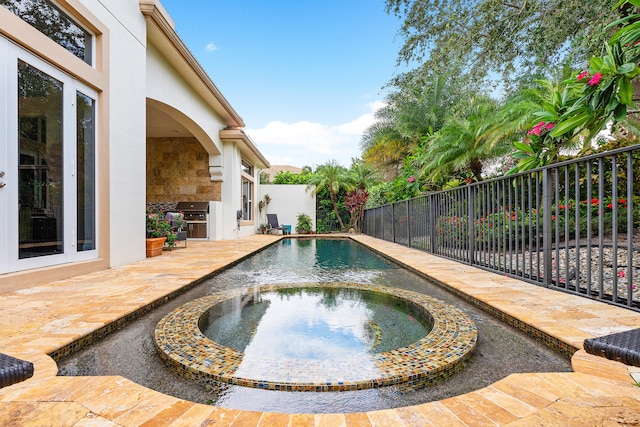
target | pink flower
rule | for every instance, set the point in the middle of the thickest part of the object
(411, 179)
(537, 129)
(620, 273)
(595, 79)
(583, 74)
(549, 126)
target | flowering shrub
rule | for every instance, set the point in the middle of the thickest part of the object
(606, 89)
(540, 146)
(158, 226)
(582, 106)
(452, 231)
(599, 210)
(540, 128)
(503, 228)
(356, 201)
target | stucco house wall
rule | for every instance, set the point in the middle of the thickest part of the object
(126, 141)
(142, 74)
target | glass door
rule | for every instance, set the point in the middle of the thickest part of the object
(40, 163)
(47, 154)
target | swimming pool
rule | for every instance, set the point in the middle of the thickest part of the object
(500, 350)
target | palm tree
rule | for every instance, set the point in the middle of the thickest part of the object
(419, 108)
(464, 142)
(333, 177)
(382, 143)
(362, 176)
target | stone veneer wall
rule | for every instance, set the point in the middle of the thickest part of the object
(178, 170)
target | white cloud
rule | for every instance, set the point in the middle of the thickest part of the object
(306, 143)
(211, 47)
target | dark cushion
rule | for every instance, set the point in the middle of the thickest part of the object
(14, 370)
(623, 347)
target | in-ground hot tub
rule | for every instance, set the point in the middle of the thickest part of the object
(329, 336)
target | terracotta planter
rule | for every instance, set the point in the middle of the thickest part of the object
(154, 246)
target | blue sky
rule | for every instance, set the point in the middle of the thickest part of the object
(305, 76)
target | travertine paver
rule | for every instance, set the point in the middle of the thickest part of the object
(43, 319)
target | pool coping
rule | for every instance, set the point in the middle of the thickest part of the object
(437, 356)
(39, 320)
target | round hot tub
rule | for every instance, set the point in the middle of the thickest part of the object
(316, 337)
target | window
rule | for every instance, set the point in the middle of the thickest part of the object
(247, 168)
(44, 16)
(86, 175)
(247, 191)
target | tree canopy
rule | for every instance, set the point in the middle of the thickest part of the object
(510, 38)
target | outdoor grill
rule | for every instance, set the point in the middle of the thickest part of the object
(196, 215)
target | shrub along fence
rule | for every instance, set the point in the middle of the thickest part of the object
(571, 226)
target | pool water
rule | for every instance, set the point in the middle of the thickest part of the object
(313, 260)
(315, 324)
(501, 350)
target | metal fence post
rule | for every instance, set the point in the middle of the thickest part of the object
(432, 220)
(393, 222)
(471, 220)
(547, 225)
(408, 224)
(380, 226)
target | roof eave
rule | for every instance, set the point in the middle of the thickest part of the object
(161, 32)
(246, 144)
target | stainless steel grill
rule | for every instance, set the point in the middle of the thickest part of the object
(196, 215)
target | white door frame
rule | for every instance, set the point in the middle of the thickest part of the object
(9, 235)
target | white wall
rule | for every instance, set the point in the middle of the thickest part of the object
(127, 143)
(164, 84)
(287, 201)
(231, 190)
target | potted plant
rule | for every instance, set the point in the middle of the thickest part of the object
(158, 231)
(176, 223)
(304, 224)
(262, 205)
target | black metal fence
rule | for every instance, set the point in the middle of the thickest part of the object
(327, 222)
(570, 226)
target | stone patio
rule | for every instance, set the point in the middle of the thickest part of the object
(49, 319)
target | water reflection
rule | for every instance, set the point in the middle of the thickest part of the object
(312, 260)
(314, 323)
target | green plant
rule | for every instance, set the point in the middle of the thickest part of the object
(304, 224)
(581, 106)
(356, 201)
(288, 177)
(178, 222)
(334, 178)
(262, 206)
(158, 226)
